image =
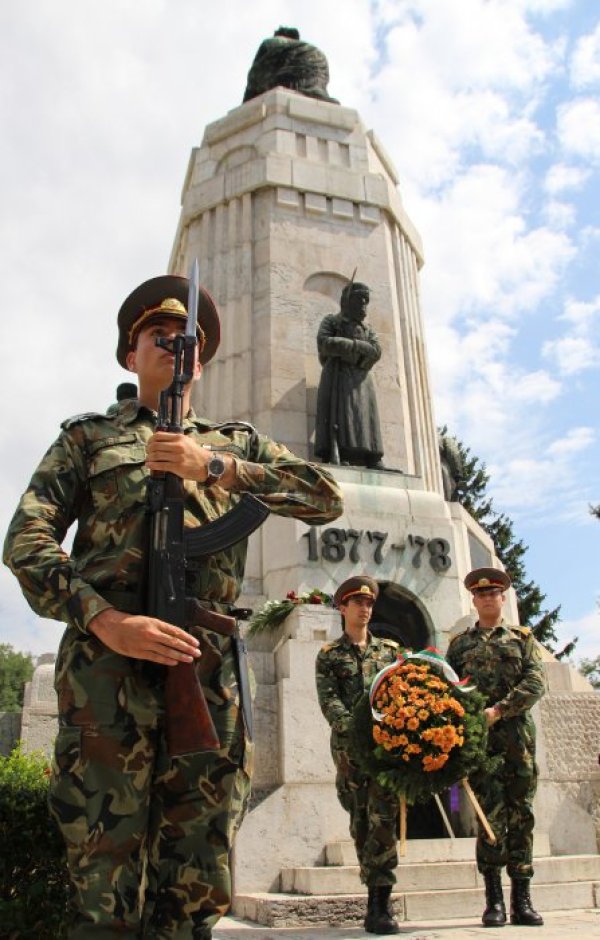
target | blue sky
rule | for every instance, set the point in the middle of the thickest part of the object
(489, 110)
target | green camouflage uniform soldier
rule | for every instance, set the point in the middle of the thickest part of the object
(344, 671)
(130, 815)
(505, 664)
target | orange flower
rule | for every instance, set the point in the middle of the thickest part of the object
(412, 724)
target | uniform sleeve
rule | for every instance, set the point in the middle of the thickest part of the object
(451, 657)
(331, 704)
(289, 485)
(32, 548)
(530, 687)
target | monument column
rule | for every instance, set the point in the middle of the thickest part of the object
(285, 198)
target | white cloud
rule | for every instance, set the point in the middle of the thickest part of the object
(585, 62)
(579, 348)
(532, 486)
(457, 76)
(578, 128)
(587, 628)
(575, 440)
(480, 251)
(559, 215)
(572, 354)
(561, 176)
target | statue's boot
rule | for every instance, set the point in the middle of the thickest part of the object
(495, 911)
(379, 919)
(521, 911)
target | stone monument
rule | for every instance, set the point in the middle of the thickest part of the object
(280, 199)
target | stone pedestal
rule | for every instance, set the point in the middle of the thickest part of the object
(40, 709)
(294, 811)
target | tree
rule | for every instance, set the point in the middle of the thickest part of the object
(595, 511)
(590, 668)
(469, 487)
(15, 670)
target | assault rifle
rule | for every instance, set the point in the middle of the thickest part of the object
(189, 725)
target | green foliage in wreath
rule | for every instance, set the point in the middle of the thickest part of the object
(406, 776)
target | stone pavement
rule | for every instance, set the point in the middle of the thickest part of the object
(557, 926)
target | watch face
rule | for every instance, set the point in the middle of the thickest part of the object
(216, 466)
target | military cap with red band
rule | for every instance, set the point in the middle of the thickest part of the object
(482, 579)
(360, 585)
(166, 296)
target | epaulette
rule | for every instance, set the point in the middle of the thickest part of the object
(457, 635)
(524, 630)
(387, 642)
(230, 427)
(328, 647)
(79, 419)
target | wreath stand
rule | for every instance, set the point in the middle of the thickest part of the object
(474, 803)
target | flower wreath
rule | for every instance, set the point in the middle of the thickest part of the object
(413, 733)
(273, 613)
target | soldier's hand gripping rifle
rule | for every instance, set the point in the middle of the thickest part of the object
(189, 725)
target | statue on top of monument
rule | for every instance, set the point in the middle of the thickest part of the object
(348, 429)
(284, 59)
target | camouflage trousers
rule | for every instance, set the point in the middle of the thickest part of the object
(148, 837)
(373, 821)
(506, 798)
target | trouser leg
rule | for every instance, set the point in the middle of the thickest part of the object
(197, 805)
(373, 825)
(99, 796)
(380, 852)
(520, 787)
(490, 794)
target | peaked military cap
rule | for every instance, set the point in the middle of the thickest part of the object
(166, 296)
(360, 584)
(481, 578)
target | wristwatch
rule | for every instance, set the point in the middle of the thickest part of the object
(215, 469)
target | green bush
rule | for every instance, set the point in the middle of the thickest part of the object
(33, 873)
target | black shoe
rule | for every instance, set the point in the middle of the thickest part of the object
(521, 911)
(379, 919)
(495, 911)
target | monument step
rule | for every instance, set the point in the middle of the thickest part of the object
(343, 910)
(446, 876)
(427, 850)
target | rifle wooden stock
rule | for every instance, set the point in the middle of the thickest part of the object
(189, 724)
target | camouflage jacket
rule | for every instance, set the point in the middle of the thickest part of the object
(504, 663)
(344, 672)
(94, 475)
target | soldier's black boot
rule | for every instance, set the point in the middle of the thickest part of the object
(380, 919)
(495, 911)
(521, 911)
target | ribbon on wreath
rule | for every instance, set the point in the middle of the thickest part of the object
(430, 655)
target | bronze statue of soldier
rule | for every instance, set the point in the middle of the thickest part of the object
(348, 430)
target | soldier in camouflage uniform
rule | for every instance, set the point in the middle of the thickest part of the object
(345, 669)
(148, 837)
(505, 664)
